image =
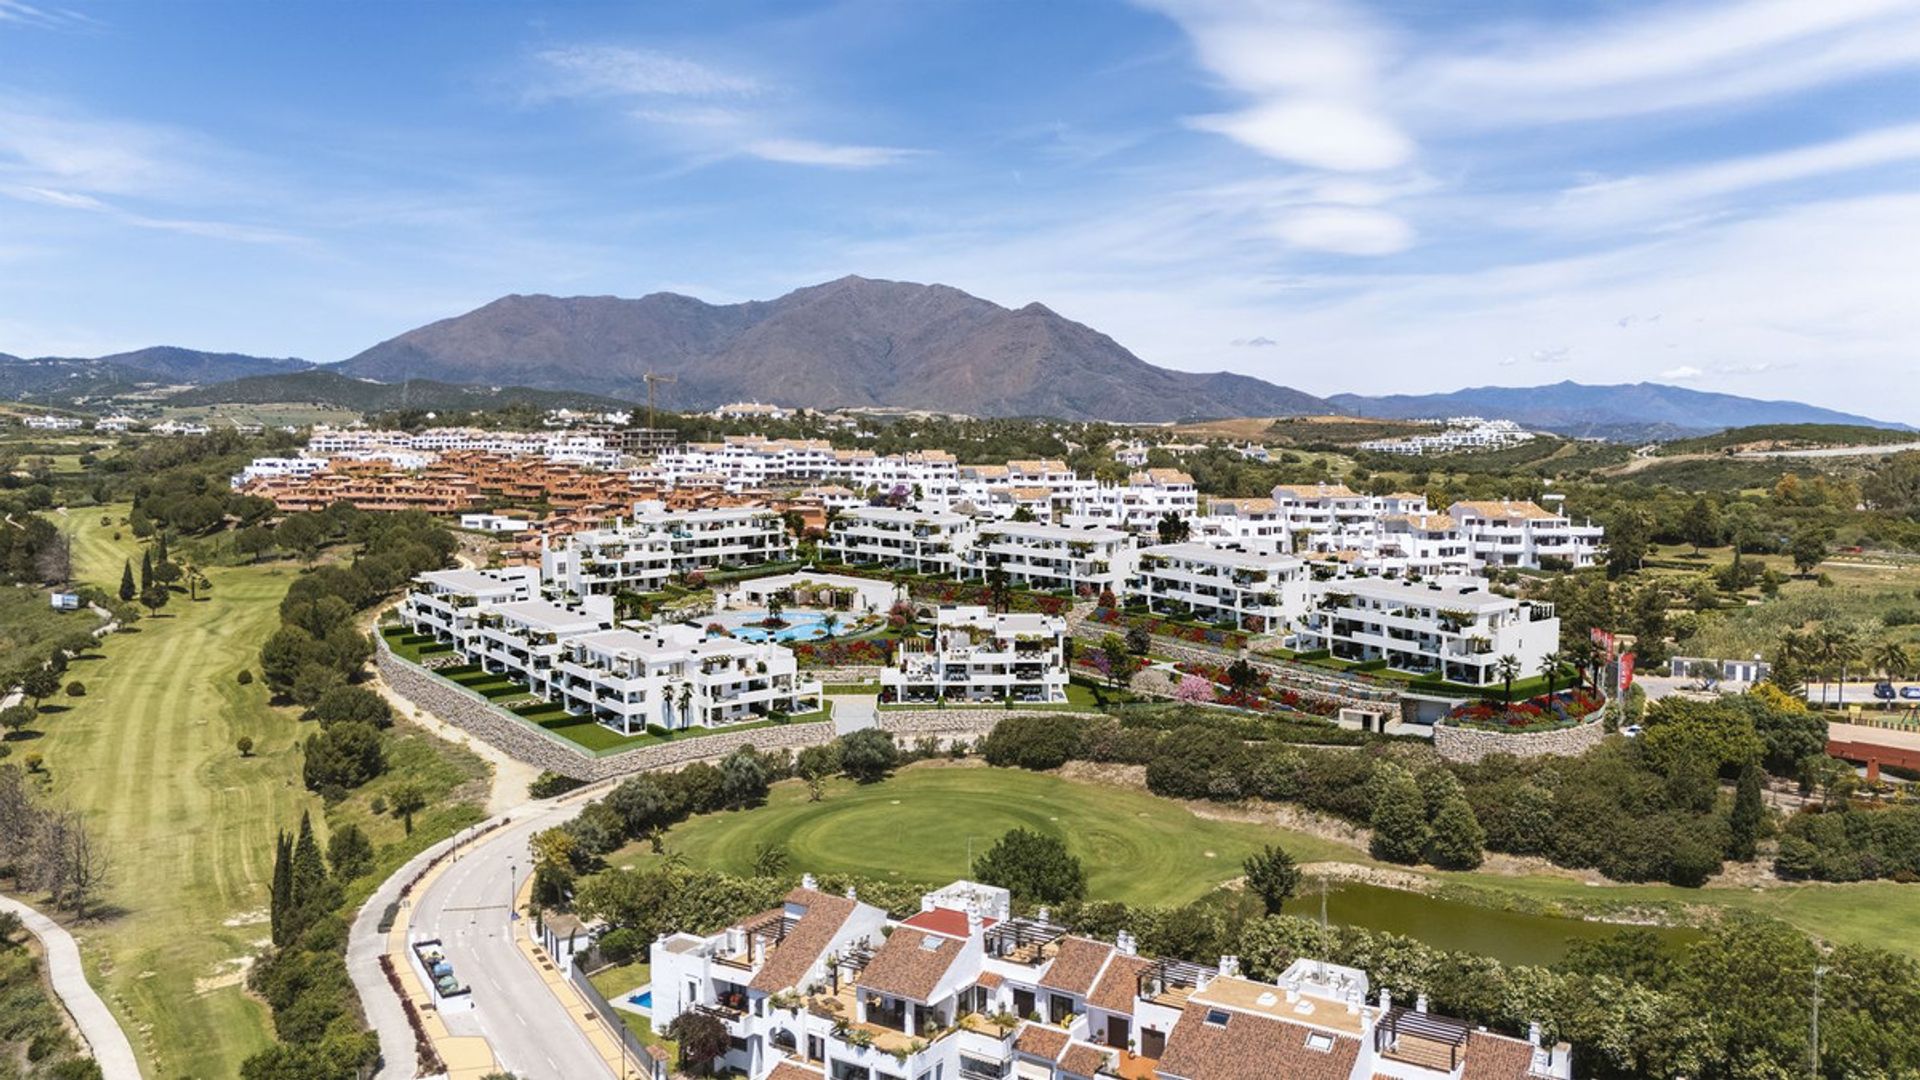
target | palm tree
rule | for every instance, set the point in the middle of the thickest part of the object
(686, 703)
(829, 623)
(1508, 668)
(1837, 649)
(1550, 667)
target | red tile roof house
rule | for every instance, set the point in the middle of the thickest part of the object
(826, 986)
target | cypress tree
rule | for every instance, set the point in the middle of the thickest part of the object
(280, 899)
(309, 866)
(160, 554)
(1743, 825)
(1458, 839)
(127, 590)
(1399, 817)
(146, 570)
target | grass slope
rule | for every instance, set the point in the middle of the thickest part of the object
(148, 756)
(916, 827)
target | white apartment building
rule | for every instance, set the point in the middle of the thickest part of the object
(923, 541)
(1455, 627)
(676, 677)
(499, 523)
(1139, 504)
(980, 655)
(448, 603)
(1254, 524)
(261, 468)
(50, 422)
(1457, 435)
(826, 987)
(1052, 557)
(643, 553)
(179, 427)
(1514, 532)
(1259, 591)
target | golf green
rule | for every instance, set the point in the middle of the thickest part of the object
(922, 824)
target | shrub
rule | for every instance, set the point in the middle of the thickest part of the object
(76, 689)
(1035, 867)
(245, 677)
(1033, 741)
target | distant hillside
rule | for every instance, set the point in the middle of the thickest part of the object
(851, 342)
(323, 386)
(69, 377)
(1625, 411)
(1767, 438)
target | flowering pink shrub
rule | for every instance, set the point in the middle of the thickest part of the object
(1194, 690)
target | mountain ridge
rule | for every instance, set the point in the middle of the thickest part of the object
(852, 342)
(1573, 408)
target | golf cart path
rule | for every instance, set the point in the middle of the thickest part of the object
(108, 1042)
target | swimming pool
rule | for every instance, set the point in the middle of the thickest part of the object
(801, 626)
(643, 999)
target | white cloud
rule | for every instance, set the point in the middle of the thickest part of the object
(1318, 133)
(1607, 203)
(1682, 373)
(618, 71)
(831, 155)
(696, 116)
(1680, 56)
(1344, 230)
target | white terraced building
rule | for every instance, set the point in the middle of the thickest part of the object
(1254, 524)
(1455, 627)
(1053, 557)
(980, 655)
(676, 677)
(263, 467)
(448, 603)
(923, 541)
(643, 553)
(627, 679)
(1259, 591)
(1514, 532)
(826, 987)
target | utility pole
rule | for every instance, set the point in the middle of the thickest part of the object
(1817, 972)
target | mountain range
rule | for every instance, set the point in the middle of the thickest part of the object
(1620, 411)
(853, 342)
(850, 342)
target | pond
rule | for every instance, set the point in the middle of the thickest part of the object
(1512, 937)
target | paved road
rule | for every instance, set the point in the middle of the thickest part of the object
(1868, 450)
(97, 1025)
(467, 908)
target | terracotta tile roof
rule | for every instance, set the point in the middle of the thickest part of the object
(1316, 491)
(789, 961)
(1515, 510)
(1253, 1047)
(1084, 1059)
(990, 980)
(1119, 984)
(1027, 492)
(791, 1070)
(1242, 506)
(1076, 965)
(1494, 1057)
(911, 963)
(944, 921)
(1038, 1040)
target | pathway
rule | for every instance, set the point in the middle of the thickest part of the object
(97, 1026)
(851, 712)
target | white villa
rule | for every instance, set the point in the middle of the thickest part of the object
(826, 987)
(980, 655)
(1452, 626)
(676, 677)
(1514, 532)
(1252, 590)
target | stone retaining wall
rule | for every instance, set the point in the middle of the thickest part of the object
(521, 740)
(852, 673)
(1466, 744)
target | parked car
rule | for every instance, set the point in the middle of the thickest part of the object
(1883, 691)
(1911, 693)
(1632, 731)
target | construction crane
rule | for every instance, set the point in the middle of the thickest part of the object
(652, 378)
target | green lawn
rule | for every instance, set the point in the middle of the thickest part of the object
(187, 824)
(148, 756)
(616, 982)
(917, 825)
(29, 625)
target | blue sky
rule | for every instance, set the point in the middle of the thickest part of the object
(1333, 194)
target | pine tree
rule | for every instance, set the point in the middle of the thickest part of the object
(160, 550)
(1458, 839)
(146, 570)
(280, 899)
(309, 866)
(1743, 825)
(127, 590)
(1399, 817)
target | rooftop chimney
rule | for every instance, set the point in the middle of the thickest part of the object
(1229, 965)
(1533, 1033)
(1420, 1003)
(926, 902)
(1123, 941)
(1386, 1000)
(808, 881)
